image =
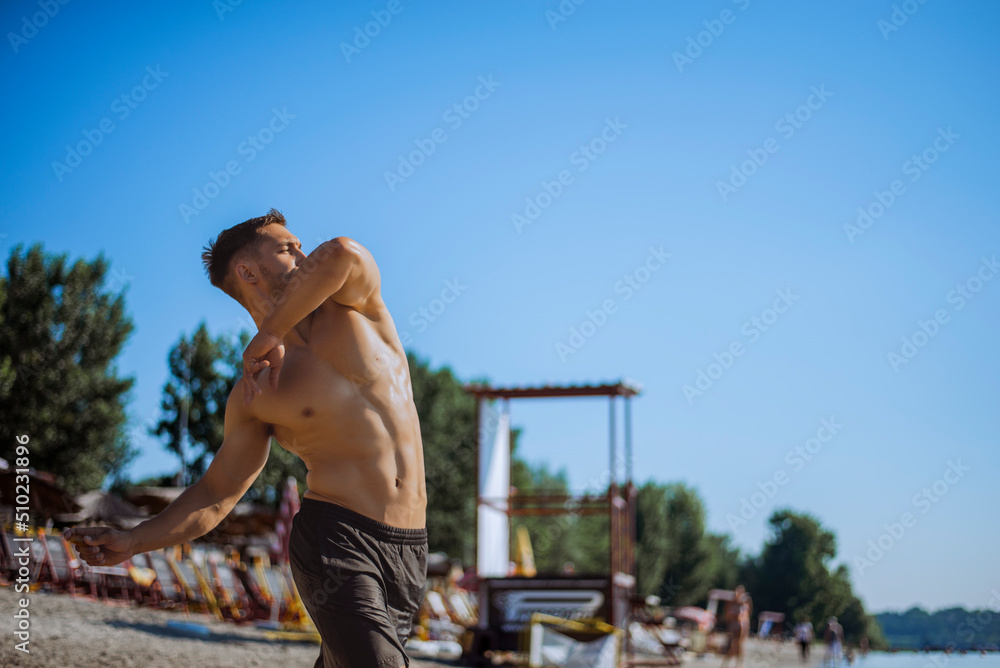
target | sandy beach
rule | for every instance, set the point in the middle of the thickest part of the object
(75, 632)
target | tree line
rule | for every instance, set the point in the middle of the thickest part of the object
(63, 324)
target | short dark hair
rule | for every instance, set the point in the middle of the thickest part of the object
(237, 243)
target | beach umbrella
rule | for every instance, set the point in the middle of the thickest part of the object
(45, 497)
(703, 618)
(153, 499)
(100, 507)
(289, 506)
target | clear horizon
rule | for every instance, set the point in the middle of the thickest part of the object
(777, 218)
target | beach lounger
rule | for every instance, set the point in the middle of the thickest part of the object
(169, 589)
(273, 585)
(260, 602)
(7, 566)
(41, 567)
(66, 568)
(147, 587)
(234, 601)
(196, 589)
(440, 625)
(104, 581)
(297, 613)
(461, 608)
(9, 562)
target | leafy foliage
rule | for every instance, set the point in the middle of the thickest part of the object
(448, 428)
(792, 575)
(953, 627)
(203, 371)
(61, 328)
(677, 559)
(558, 540)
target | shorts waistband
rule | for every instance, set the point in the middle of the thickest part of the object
(374, 528)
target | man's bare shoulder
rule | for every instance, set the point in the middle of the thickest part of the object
(362, 286)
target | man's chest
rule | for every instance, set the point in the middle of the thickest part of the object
(309, 390)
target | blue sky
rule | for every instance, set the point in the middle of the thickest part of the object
(584, 154)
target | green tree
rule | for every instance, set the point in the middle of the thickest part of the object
(793, 576)
(580, 539)
(61, 328)
(791, 573)
(203, 370)
(269, 484)
(652, 529)
(955, 627)
(448, 428)
(675, 553)
(724, 562)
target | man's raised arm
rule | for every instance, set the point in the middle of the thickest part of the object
(200, 507)
(340, 269)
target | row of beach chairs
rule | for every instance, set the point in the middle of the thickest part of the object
(188, 578)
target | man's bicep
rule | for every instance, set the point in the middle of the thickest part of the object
(243, 454)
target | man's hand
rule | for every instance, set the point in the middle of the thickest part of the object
(265, 350)
(100, 546)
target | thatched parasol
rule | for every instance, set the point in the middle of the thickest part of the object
(45, 497)
(153, 499)
(105, 508)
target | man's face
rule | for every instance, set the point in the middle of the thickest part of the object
(278, 258)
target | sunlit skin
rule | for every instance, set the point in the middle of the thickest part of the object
(327, 377)
(738, 613)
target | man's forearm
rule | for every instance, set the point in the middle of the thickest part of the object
(192, 514)
(323, 273)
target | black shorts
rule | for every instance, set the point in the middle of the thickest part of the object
(361, 581)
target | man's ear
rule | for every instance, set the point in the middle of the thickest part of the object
(247, 273)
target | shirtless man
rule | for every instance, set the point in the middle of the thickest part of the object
(327, 377)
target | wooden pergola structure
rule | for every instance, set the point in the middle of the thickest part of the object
(618, 502)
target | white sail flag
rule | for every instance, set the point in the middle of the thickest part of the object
(494, 489)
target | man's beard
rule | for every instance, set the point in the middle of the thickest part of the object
(275, 283)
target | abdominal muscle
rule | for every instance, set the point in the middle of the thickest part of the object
(356, 431)
(377, 485)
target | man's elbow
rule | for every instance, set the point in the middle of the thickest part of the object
(338, 250)
(218, 502)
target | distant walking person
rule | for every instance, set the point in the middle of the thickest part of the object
(834, 638)
(804, 636)
(738, 625)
